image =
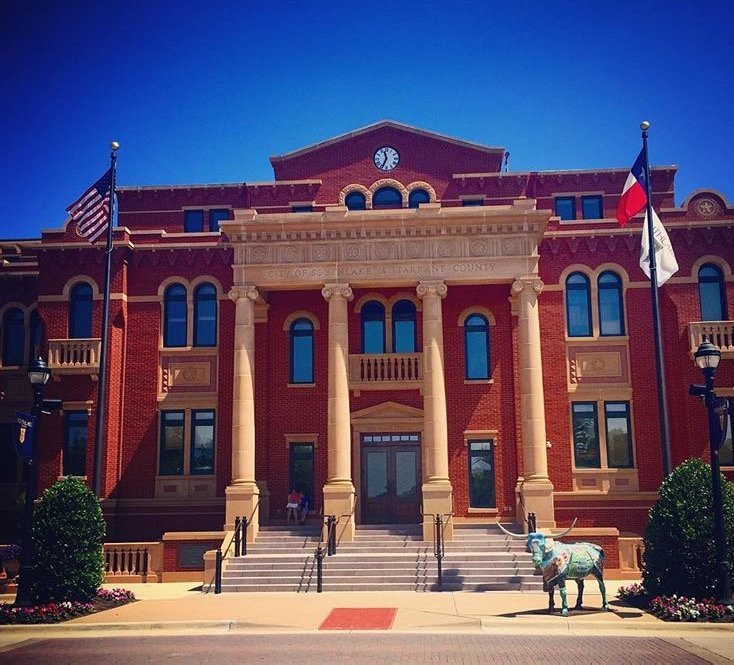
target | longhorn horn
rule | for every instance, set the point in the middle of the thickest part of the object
(565, 531)
(509, 533)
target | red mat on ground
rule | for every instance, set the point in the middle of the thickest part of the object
(359, 618)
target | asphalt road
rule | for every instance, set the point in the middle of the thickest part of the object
(354, 649)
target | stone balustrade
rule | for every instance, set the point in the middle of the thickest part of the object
(74, 356)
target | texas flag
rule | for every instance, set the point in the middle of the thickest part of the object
(633, 197)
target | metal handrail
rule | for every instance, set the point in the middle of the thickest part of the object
(239, 540)
(439, 546)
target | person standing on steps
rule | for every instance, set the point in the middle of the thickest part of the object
(292, 506)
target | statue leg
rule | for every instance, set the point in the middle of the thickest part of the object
(580, 598)
(564, 599)
(551, 599)
(603, 589)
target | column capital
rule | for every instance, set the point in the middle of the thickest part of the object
(433, 288)
(337, 291)
(243, 291)
(522, 283)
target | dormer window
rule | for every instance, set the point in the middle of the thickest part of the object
(355, 201)
(387, 197)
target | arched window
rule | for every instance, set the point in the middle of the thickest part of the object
(205, 315)
(80, 312)
(711, 293)
(37, 335)
(387, 197)
(355, 201)
(476, 347)
(13, 337)
(611, 307)
(373, 327)
(403, 327)
(174, 316)
(578, 305)
(301, 343)
(418, 196)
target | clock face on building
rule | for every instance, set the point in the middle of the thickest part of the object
(386, 158)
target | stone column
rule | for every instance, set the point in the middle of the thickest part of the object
(437, 491)
(242, 494)
(339, 489)
(536, 489)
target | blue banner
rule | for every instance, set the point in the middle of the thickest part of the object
(23, 436)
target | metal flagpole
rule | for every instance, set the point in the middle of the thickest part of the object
(662, 400)
(99, 435)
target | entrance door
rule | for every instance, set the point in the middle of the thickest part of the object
(391, 478)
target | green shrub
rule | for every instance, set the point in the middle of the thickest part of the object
(680, 554)
(68, 534)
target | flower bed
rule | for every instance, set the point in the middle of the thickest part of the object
(676, 608)
(56, 612)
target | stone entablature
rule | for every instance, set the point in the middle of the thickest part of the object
(387, 247)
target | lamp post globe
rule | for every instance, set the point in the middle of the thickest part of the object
(707, 355)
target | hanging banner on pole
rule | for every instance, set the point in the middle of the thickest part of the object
(23, 435)
(722, 409)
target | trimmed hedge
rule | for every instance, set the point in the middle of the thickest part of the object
(680, 554)
(68, 535)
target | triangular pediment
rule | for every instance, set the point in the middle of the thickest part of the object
(387, 412)
(417, 150)
(375, 128)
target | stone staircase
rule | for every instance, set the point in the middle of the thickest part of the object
(382, 558)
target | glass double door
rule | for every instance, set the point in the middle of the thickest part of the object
(391, 478)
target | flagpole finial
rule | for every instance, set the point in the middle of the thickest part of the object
(644, 125)
(114, 145)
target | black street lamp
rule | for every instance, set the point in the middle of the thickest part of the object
(707, 358)
(38, 375)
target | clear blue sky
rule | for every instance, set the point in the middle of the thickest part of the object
(206, 91)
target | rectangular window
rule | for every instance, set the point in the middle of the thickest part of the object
(216, 216)
(481, 474)
(566, 207)
(172, 443)
(302, 209)
(75, 443)
(591, 207)
(202, 442)
(585, 435)
(193, 221)
(619, 440)
(300, 469)
(472, 202)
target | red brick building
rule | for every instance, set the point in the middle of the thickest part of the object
(394, 323)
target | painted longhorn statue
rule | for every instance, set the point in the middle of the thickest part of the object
(560, 561)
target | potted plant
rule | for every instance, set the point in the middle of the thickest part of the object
(10, 556)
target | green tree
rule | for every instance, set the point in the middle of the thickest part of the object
(680, 555)
(68, 535)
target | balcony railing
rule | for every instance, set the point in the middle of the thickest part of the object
(719, 333)
(74, 356)
(386, 371)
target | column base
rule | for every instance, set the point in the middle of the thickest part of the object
(242, 501)
(537, 497)
(339, 501)
(437, 500)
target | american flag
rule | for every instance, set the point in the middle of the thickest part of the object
(91, 211)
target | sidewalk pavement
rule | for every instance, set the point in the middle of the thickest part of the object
(181, 608)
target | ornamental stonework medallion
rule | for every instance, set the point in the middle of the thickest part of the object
(707, 207)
